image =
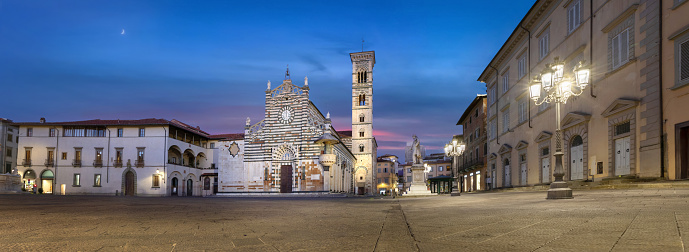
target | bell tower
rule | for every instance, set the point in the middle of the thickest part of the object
(363, 143)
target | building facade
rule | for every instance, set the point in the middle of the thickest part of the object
(293, 149)
(673, 72)
(8, 146)
(472, 163)
(148, 157)
(386, 173)
(613, 128)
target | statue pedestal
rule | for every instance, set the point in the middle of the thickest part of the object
(418, 184)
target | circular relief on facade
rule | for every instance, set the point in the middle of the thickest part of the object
(286, 114)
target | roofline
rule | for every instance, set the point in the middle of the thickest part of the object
(471, 105)
(485, 71)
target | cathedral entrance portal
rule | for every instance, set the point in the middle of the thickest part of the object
(286, 179)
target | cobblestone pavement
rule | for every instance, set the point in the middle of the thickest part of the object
(595, 220)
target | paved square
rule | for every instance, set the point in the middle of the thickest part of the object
(595, 220)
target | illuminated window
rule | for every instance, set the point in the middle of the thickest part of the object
(96, 180)
(77, 180)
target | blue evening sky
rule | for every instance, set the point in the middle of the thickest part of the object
(206, 63)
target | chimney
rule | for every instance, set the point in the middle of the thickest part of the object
(42, 120)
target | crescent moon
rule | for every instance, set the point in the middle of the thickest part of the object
(122, 32)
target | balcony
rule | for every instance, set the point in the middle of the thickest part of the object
(139, 163)
(471, 164)
(117, 164)
(76, 162)
(98, 163)
(326, 159)
(26, 162)
(49, 162)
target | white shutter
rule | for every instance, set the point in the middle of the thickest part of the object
(615, 51)
(624, 46)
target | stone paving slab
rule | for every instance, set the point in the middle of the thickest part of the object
(595, 220)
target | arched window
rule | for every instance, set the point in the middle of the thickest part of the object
(362, 100)
(361, 148)
(361, 133)
(361, 118)
(577, 140)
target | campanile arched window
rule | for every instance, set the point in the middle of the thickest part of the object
(361, 148)
(362, 118)
(362, 100)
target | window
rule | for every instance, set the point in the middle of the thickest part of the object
(476, 113)
(491, 97)
(29, 132)
(120, 132)
(544, 44)
(622, 128)
(142, 132)
(51, 132)
(378, 180)
(361, 133)
(491, 129)
(440, 168)
(387, 180)
(521, 66)
(9, 153)
(476, 133)
(523, 116)
(96, 180)
(140, 154)
(156, 180)
(118, 157)
(620, 49)
(212, 145)
(385, 170)
(505, 82)
(545, 151)
(9, 137)
(408, 170)
(77, 180)
(378, 170)
(77, 154)
(64, 156)
(682, 61)
(506, 121)
(573, 16)
(99, 158)
(408, 179)
(361, 118)
(51, 156)
(84, 132)
(361, 148)
(362, 100)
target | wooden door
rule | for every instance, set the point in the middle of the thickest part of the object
(576, 159)
(523, 170)
(286, 179)
(683, 152)
(545, 166)
(508, 177)
(622, 156)
(190, 187)
(129, 184)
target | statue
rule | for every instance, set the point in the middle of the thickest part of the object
(328, 116)
(306, 81)
(248, 120)
(268, 85)
(416, 150)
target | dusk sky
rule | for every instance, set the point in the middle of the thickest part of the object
(207, 63)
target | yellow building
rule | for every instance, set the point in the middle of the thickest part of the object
(614, 127)
(675, 91)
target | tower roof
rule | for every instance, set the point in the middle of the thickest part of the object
(367, 55)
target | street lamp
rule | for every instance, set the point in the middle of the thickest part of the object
(557, 89)
(454, 150)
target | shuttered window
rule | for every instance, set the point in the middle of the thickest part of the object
(684, 60)
(573, 16)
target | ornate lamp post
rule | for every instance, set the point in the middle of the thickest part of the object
(557, 89)
(454, 150)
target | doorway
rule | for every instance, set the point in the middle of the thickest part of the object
(47, 177)
(508, 176)
(522, 168)
(576, 165)
(174, 186)
(129, 179)
(682, 150)
(286, 179)
(545, 167)
(190, 187)
(622, 156)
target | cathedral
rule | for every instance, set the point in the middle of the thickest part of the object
(295, 149)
